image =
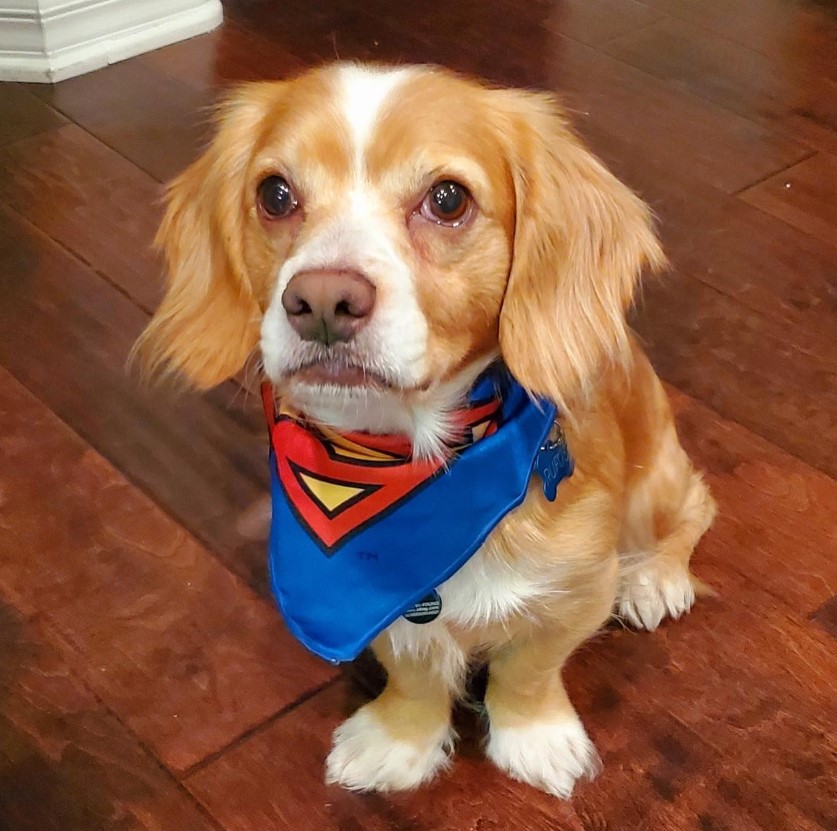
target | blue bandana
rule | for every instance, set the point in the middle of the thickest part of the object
(362, 533)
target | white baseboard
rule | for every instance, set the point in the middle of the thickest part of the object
(45, 41)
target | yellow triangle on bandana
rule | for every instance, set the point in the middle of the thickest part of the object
(363, 455)
(330, 494)
(478, 430)
(345, 447)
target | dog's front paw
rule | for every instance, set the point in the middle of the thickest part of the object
(550, 756)
(651, 591)
(366, 757)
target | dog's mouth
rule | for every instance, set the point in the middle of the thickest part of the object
(337, 373)
(339, 366)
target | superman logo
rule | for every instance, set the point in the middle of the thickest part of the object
(337, 485)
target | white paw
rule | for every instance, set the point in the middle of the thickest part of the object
(550, 756)
(365, 757)
(649, 593)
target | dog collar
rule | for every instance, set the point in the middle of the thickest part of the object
(362, 533)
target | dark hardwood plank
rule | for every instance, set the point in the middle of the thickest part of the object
(66, 763)
(228, 55)
(23, 114)
(789, 91)
(148, 117)
(66, 334)
(330, 30)
(799, 28)
(777, 382)
(802, 196)
(171, 641)
(767, 720)
(647, 130)
(777, 511)
(516, 55)
(772, 268)
(597, 22)
(92, 201)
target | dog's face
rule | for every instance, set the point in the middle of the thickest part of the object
(383, 234)
(384, 223)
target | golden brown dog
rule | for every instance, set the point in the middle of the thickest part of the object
(442, 224)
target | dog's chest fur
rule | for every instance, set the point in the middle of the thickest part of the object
(485, 595)
(487, 590)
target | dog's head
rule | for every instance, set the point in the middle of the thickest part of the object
(383, 234)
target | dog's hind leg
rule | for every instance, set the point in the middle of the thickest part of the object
(658, 583)
(668, 509)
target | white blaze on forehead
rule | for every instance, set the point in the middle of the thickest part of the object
(362, 233)
(364, 91)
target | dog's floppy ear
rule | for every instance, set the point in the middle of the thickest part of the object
(208, 321)
(581, 240)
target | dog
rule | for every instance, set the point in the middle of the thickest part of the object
(383, 236)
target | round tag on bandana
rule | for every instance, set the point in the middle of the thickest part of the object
(427, 609)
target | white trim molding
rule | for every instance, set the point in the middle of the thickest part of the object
(49, 40)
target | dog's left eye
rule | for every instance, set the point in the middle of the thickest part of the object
(276, 197)
(446, 203)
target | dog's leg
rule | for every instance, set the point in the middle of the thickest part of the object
(669, 508)
(535, 734)
(658, 583)
(404, 737)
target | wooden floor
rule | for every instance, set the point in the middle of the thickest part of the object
(146, 681)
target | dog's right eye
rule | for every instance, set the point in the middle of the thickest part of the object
(276, 197)
(446, 203)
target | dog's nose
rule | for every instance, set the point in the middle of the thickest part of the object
(328, 306)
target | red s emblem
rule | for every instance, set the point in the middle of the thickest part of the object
(338, 484)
